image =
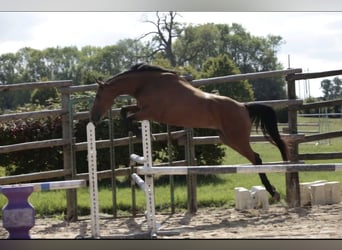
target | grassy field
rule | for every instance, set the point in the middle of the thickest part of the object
(212, 190)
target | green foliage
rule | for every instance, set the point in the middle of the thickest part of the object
(34, 160)
(197, 43)
(221, 66)
(44, 96)
(332, 89)
(250, 53)
(269, 89)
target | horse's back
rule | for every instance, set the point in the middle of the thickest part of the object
(142, 67)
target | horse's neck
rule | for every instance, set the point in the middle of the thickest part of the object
(123, 86)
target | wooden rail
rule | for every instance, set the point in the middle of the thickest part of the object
(305, 76)
(34, 85)
(248, 76)
(24, 178)
(33, 145)
(33, 115)
(322, 104)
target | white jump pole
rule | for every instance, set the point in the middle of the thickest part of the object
(93, 188)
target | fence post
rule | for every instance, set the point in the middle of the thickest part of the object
(171, 178)
(112, 161)
(292, 179)
(68, 155)
(132, 171)
(191, 178)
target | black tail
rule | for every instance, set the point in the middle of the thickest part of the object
(265, 117)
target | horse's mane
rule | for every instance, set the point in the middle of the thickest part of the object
(142, 67)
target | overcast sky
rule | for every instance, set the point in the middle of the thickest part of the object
(312, 39)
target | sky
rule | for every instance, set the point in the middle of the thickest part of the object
(312, 40)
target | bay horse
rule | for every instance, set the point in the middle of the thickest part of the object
(165, 97)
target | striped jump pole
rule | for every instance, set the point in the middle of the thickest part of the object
(240, 169)
(18, 215)
(48, 186)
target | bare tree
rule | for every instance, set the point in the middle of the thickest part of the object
(166, 29)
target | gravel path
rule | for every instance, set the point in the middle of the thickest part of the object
(209, 223)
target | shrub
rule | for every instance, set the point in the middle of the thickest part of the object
(35, 160)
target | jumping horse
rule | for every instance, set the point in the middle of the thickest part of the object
(166, 97)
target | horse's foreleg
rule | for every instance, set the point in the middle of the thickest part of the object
(127, 114)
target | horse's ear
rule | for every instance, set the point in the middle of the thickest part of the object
(99, 82)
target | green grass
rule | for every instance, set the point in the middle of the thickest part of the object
(209, 193)
(2, 171)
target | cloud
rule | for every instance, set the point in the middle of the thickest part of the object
(316, 37)
(16, 26)
(40, 30)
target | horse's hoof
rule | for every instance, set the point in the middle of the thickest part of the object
(276, 196)
(137, 132)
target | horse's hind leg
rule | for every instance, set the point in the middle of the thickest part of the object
(242, 146)
(270, 188)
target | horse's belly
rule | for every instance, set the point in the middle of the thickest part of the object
(188, 118)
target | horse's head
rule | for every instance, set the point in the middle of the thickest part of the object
(102, 102)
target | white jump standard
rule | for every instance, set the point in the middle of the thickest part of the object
(147, 186)
(93, 188)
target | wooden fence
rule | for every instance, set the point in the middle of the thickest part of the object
(67, 142)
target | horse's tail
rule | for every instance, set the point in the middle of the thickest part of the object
(265, 117)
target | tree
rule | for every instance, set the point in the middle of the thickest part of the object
(196, 44)
(31, 65)
(166, 29)
(13, 70)
(250, 53)
(254, 54)
(116, 58)
(8, 68)
(62, 63)
(332, 90)
(221, 66)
